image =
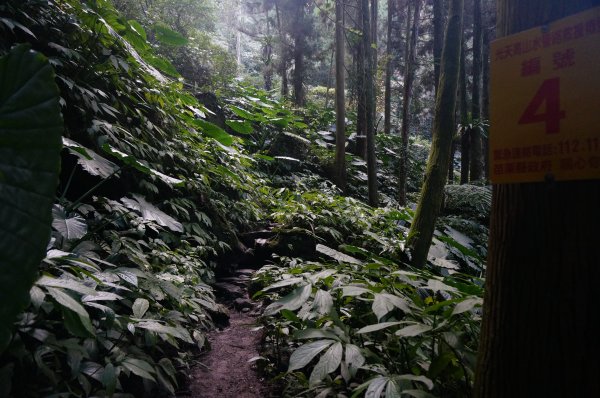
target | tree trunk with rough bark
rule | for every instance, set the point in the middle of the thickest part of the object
(409, 73)
(340, 105)
(299, 55)
(541, 318)
(485, 84)
(438, 38)
(423, 225)
(389, 70)
(361, 107)
(464, 119)
(285, 91)
(369, 104)
(476, 166)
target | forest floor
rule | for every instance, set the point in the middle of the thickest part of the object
(226, 371)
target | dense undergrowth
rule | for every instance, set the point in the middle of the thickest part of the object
(156, 186)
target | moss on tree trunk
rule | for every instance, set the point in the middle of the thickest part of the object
(421, 230)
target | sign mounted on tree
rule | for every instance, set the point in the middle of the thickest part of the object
(545, 102)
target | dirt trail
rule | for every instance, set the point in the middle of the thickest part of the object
(227, 372)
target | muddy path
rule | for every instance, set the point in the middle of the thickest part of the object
(227, 372)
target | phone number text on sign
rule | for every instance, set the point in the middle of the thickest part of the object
(545, 102)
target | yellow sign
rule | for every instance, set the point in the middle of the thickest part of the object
(545, 102)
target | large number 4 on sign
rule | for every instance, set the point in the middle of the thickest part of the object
(548, 94)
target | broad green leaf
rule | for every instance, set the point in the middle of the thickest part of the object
(30, 142)
(354, 358)
(65, 283)
(315, 334)
(291, 302)
(67, 301)
(339, 256)
(377, 326)
(100, 296)
(283, 283)
(77, 325)
(437, 285)
(151, 212)
(384, 303)
(177, 332)
(162, 64)
(351, 290)
(242, 112)
(214, 131)
(93, 370)
(392, 390)
(240, 126)
(168, 36)
(70, 226)
(420, 379)
(139, 307)
(413, 330)
(109, 378)
(323, 302)
(467, 305)
(376, 387)
(136, 164)
(90, 161)
(305, 353)
(139, 368)
(327, 363)
(138, 28)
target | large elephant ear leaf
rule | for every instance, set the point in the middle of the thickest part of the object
(30, 142)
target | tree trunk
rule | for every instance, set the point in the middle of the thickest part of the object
(268, 52)
(285, 91)
(361, 107)
(485, 88)
(476, 167)
(423, 225)
(389, 70)
(464, 120)
(438, 38)
(539, 336)
(371, 161)
(340, 106)
(408, 81)
(299, 54)
(373, 48)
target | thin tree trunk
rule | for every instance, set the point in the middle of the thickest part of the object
(268, 52)
(361, 116)
(539, 336)
(283, 62)
(371, 161)
(408, 82)
(340, 106)
(299, 55)
(476, 167)
(374, 17)
(389, 69)
(329, 76)
(423, 225)
(464, 120)
(485, 88)
(438, 38)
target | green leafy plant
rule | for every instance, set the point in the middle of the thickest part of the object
(30, 130)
